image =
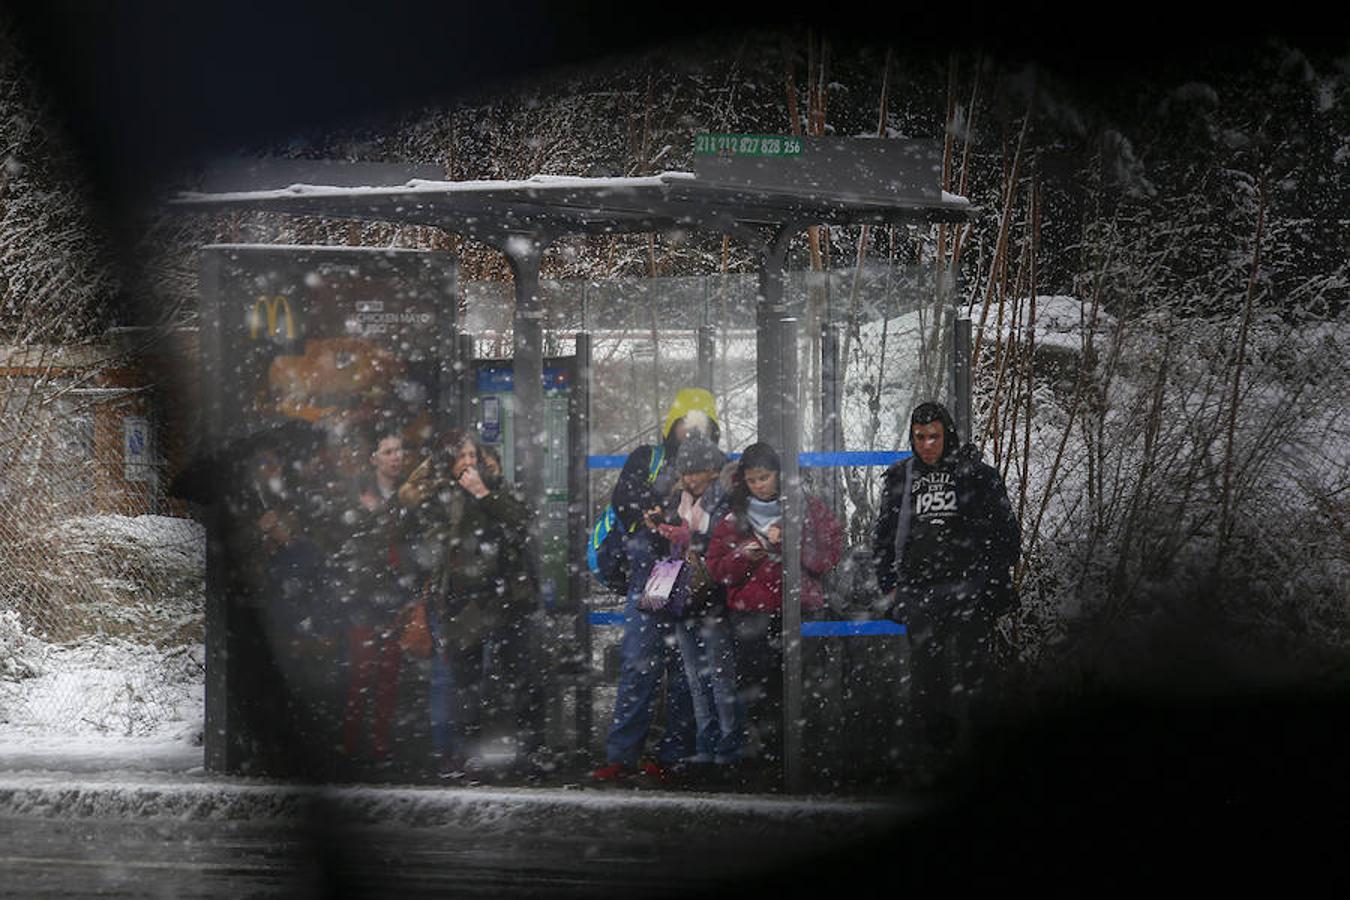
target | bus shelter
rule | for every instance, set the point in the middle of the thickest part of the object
(762, 191)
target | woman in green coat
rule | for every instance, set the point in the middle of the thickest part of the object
(468, 538)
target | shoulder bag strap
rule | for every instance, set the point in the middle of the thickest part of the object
(658, 459)
(906, 508)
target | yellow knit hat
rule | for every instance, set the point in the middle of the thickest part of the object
(686, 401)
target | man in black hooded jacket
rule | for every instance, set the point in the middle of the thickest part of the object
(944, 545)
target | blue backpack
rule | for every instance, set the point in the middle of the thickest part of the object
(605, 554)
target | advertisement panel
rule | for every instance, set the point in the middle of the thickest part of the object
(329, 336)
(313, 356)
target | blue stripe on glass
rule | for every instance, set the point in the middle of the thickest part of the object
(809, 629)
(850, 629)
(806, 460)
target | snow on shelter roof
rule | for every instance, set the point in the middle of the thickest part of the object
(720, 194)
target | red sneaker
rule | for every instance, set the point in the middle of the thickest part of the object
(611, 772)
(653, 771)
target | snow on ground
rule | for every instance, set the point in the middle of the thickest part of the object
(115, 759)
(104, 754)
(495, 809)
(1060, 321)
(112, 688)
(118, 756)
(131, 696)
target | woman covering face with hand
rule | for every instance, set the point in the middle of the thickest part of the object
(469, 541)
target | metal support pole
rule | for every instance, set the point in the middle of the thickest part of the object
(524, 253)
(527, 365)
(453, 359)
(832, 441)
(707, 348)
(831, 431)
(961, 376)
(793, 508)
(462, 379)
(578, 521)
(770, 308)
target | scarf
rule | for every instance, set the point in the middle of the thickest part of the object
(692, 512)
(762, 514)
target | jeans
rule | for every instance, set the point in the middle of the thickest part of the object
(648, 649)
(482, 684)
(710, 670)
(512, 693)
(453, 695)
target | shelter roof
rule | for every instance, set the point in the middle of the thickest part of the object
(556, 205)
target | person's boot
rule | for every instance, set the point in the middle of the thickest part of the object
(612, 772)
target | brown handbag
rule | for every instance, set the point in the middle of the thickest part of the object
(702, 587)
(414, 634)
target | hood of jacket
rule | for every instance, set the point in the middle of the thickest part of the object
(963, 459)
(951, 441)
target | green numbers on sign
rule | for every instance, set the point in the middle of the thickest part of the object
(747, 145)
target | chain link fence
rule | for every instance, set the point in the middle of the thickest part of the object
(101, 574)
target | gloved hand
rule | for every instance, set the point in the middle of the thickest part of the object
(418, 486)
(881, 606)
(678, 535)
(904, 603)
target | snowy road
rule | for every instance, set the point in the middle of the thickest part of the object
(166, 858)
(147, 835)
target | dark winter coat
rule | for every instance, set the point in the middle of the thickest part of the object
(957, 549)
(755, 584)
(368, 566)
(292, 570)
(472, 552)
(634, 493)
(636, 490)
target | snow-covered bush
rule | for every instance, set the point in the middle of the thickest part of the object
(165, 551)
(109, 687)
(104, 628)
(140, 577)
(1182, 542)
(21, 655)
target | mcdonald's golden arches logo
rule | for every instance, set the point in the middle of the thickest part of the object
(265, 309)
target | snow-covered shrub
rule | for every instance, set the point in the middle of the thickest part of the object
(1181, 541)
(109, 687)
(141, 577)
(21, 655)
(168, 553)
